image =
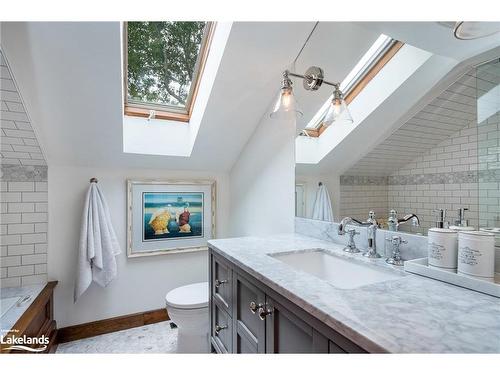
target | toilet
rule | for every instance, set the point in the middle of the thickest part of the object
(187, 307)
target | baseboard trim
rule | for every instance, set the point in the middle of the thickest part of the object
(118, 323)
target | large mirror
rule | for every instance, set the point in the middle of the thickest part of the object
(414, 167)
(488, 119)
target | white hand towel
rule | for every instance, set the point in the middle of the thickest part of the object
(98, 244)
(322, 209)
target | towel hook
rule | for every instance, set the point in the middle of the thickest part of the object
(93, 179)
(320, 184)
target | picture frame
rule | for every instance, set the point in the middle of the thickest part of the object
(169, 216)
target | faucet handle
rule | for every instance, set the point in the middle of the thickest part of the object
(396, 240)
(395, 259)
(351, 245)
(352, 232)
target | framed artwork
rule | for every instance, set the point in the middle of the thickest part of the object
(169, 216)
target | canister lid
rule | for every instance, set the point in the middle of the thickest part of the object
(442, 230)
(476, 233)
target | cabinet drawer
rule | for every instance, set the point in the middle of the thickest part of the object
(221, 283)
(221, 328)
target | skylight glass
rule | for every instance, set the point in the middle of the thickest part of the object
(164, 62)
(363, 66)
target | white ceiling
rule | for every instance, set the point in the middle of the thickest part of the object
(70, 77)
(377, 153)
(435, 37)
(335, 55)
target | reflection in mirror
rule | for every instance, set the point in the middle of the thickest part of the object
(440, 168)
(300, 199)
(488, 107)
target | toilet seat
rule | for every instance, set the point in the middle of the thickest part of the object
(192, 296)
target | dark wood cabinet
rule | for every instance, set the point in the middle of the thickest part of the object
(248, 316)
(36, 322)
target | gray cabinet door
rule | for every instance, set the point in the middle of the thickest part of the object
(287, 333)
(221, 281)
(221, 329)
(248, 329)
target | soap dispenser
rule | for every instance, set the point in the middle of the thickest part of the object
(462, 224)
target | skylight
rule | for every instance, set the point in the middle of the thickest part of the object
(164, 62)
(360, 70)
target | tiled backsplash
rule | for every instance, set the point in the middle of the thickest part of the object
(324, 230)
(23, 191)
(414, 249)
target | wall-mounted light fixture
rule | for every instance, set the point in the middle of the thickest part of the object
(287, 105)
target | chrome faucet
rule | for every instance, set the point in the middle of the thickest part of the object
(415, 221)
(393, 222)
(349, 220)
(371, 225)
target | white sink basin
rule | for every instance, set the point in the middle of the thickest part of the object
(338, 271)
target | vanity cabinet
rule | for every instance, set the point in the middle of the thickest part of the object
(247, 316)
(36, 322)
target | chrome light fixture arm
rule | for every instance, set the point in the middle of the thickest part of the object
(312, 81)
(313, 78)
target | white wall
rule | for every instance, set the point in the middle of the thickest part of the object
(142, 282)
(262, 181)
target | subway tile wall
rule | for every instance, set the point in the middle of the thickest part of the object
(23, 191)
(489, 171)
(360, 194)
(445, 177)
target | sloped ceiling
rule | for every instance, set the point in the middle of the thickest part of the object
(70, 76)
(428, 120)
(451, 111)
(336, 56)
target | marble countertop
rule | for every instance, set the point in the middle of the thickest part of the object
(412, 314)
(12, 315)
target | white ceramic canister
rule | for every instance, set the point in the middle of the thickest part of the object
(442, 248)
(476, 254)
(496, 232)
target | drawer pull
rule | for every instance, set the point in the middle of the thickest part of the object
(219, 328)
(255, 306)
(263, 312)
(219, 283)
